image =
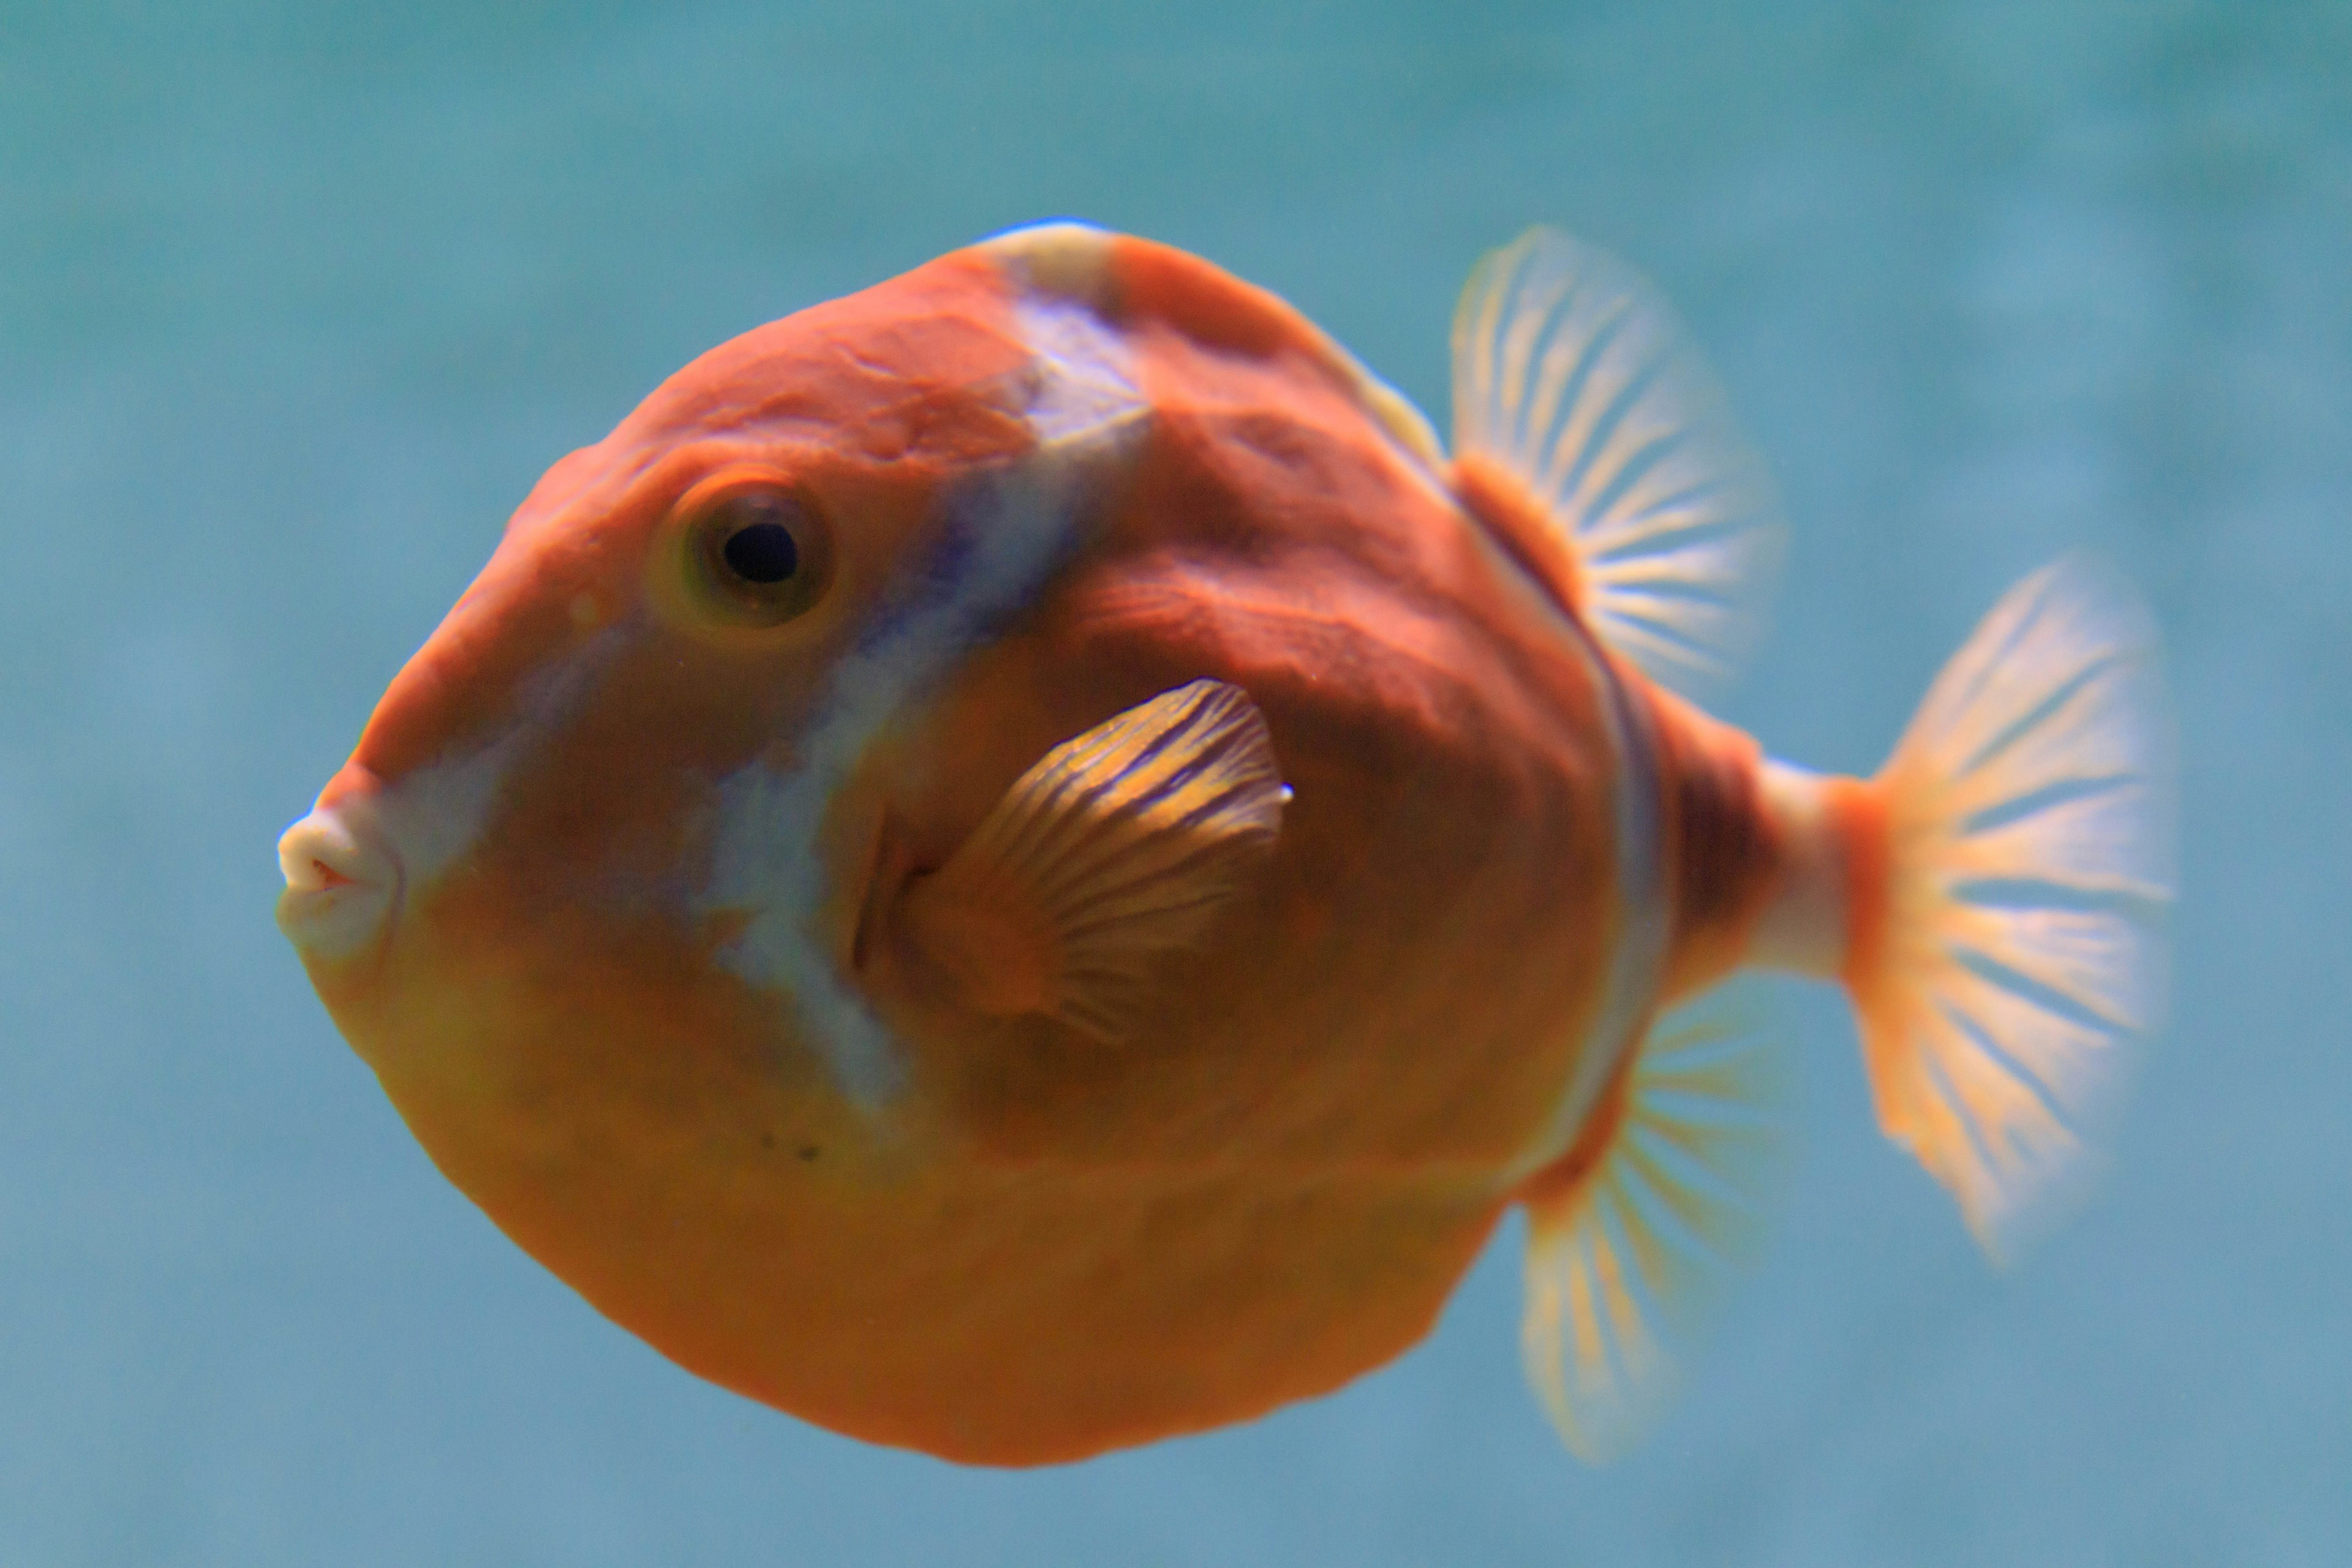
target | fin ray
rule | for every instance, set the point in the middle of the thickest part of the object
(1116, 847)
(1626, 1257)
(2027, 843)
(1571, 376)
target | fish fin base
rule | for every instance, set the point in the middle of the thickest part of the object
(1634, 1235)
(2010, 871)
(1119, 848)
(1580, 403)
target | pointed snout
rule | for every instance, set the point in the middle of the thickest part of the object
(344, 877)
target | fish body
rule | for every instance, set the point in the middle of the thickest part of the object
(1020, 862)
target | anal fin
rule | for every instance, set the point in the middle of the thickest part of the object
(1635, 1232)
(1117, 848)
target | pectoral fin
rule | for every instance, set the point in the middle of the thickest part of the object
(1116, 850)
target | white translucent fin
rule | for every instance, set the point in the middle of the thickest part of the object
(1116, 849)
(2029, 863)
(1634, 1238)
(1572, 373)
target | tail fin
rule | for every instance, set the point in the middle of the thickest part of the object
(2010, 869)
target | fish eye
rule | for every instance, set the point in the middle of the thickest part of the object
(760, 555)
(761, 552)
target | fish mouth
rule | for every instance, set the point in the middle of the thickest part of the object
(343, 880)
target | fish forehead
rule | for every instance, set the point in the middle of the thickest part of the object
(924, 366)
(908, 385)
(1023, 339)
(1138, 285)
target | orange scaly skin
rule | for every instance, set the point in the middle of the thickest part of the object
(1038, 1246)
(1725, 852)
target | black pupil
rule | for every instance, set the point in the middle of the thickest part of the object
(762, 552)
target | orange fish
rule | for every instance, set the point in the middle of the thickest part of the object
(1021, 862)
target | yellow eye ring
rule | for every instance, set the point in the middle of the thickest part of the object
(755, 551)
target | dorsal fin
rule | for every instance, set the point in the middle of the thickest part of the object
(1589, 431)
(1634, 1232)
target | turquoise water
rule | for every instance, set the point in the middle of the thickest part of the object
(297, 301)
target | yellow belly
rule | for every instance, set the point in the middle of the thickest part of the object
(1042, 1247)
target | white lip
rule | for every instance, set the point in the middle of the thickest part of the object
(343, 881)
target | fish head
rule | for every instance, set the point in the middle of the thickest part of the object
(622, 797)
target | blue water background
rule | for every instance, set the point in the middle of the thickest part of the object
(297, 299)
